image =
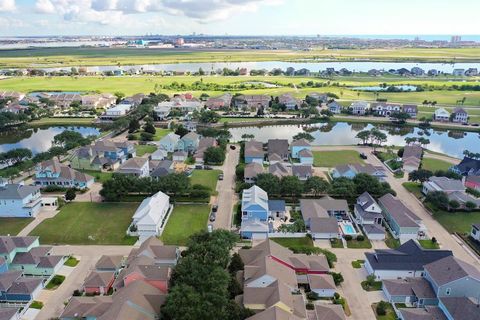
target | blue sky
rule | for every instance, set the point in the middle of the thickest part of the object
(238, 17)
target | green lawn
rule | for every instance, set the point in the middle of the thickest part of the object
(357, 264)
(294, 242)
(391, 242)
(207, 178)
(56, 281)
(428, 244)
(71, 262)
(88, 223)
(354, 244)
(12, 226)
(376, 286)
(335, 158)
(99, 176)
(237, 120)
(62, 121)
(159, 134)
(336, 243)
(36, 305)
(414, 187)
(390, 313)
(143, 149)
(460, 222)
(185, 220)
(435, 164)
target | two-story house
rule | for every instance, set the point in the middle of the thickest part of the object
(52, 172)
(254, 213)
(19, 201)
(104, 154)
(138, 167)
(334, 107)
(359, 108)
(386, 109)
(278, 148)
(170, 142)
(254, 152)
(460, 115)
(369, 215)
(298, 145)
(189, 142)
(410, 109)
(441, 115)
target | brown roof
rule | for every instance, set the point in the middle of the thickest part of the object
(109, 262)
(274, 313)
(134, 163)
(409, 287)
(268, 266)
(449, 269)
(98, 279)
(321, 281)
(254, 148)
(329, 312)
(427, 313)
(252, 170)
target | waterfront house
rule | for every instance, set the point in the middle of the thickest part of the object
(369, 215)
(254, 213)
(384, 109)
(170, 142)
(251, 171)
(359, 108)
(280, 169)
(460, 115)
(351, 170)
(117, 111)
(302, 171)
(306, 156)
(467, 167)
(52, 172)
(103, 155)
(252, 102)
(19, 201)
(320, 97)
(441, 115)
(203, 145)
(149, 218)
(138, 167)
(278, 147)
(220, 102)
(403, 223)
(289, 101)
(298, 145)
(458, 72)
(410, 109)
(334, 107)
(454, 189)
(412, 157)
(98, 101)
(408, 260)
(254, 152)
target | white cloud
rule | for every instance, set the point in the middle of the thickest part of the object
(10, 23)
(7, 6)
(44, 6)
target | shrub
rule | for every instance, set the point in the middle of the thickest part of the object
(360, 238)
(382, 308)
(310, 306)
(337, 278)
(348, 237)
(76, 293)
(312, 296)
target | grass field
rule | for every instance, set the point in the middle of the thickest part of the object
(414, 187)
(65, 57)
(12, 226)
(61, 121)
(185, 220)
(88, 223)
(98, 175)
(354, 244)
(435, 164)
(334, 158)
(429, 244)
(294, 242)
(390, 313)
(460, 222)
(159, 134)
(143, 149)
(207, 178)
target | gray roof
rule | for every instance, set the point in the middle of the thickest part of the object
(109, 262)
(373, 229)
(8, 244)
(8, 278)
(305, 153)
(412, 151)
(8, 313)
(462, 308)
(426, 313)
(447, 184)
(324, 225)
(409, 256)
(17, 191)
(25, 285)
(319, 207)
(276, 205)
(300, 143)
(278, 146)
(279, 169)
(450, 269)
(254, 149)
(403, 216)
(252, 170)
(302, 171)
(418, 287)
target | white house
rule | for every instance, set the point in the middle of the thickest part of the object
(159, 154)
(442, 115)
(138, 167)
(460, 115)
(359, 107)
(475, 234)
(169, 142)
(19, 201)
(149, 219)
(118, 111)
(162, 110)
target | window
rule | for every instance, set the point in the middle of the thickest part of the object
(448, 291)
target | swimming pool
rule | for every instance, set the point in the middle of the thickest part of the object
(347, 228)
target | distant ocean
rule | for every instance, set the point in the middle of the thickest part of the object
(434, 37)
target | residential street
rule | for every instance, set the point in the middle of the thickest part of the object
(88, 256)
(226, 190)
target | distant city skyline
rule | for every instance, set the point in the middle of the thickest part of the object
(238, 17)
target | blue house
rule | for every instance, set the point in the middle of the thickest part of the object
(254, 152)
(189, 142)
(298, 145)
(52, 172)
(19, 201)
(14, 288)
(305, 156)
(170, 142)
(254, 213)
(3, 265)
(351, 170)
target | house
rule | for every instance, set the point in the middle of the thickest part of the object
(189, 142)
(110, 263)
(322, 284)
(254, 213)
(368, 214)
(254, 152)
(408, 260)
(385, 109)
(417, 71)
(52, 172)
(280, 169)
(433, 72)
(320, 216)
(475, 233)
(412, 157)
(7, 313)
(454, 189)
(290, 102)
(328, 312)
(203, 145)
(334, 107)
(460, 115)
(298, 145)
(441, 115)
(467, 167)
(458, 72)
(410, 291)
(459, 307)
(162, 169)
(19, 201)
(251, 171)
(16, 289)
(149, 218)
(302, 171)
(404, 224)
(138, 167)
(98, 283)
(64, 100)
(220, 102)
(170, 142)
(359, 107)
(351, 170)
(134, 100)
(163, 255)
(471, 72)
(320, 97)
(159, 155)
(97, 101)
(103, 155)
(410, 109)
(143, 269)
(472, 182)
(179, 156)
(306, 156)
(252, 102)
(162, 111)
(278, 147)
(117, 111)
(276, 209)
(324, 228)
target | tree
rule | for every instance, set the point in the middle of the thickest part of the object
(291, 185)
(420, 175)
(410, 140)
(304, 135)
(438, 199)
(343, 188)
(337, 278)
(366, 183)
(214, 155)
(377, 137)
(364, 136)
(381, 308)
(119, 96)
(269, 183)
(181, 130)
(247, 136)
(236, 263)
(400, 117)
(469, 205)
(208, 116)
(133, 126)
(70, 194)
(146, 136)
(316, 185)
(149, 127)
(453, 205)
(69, 139)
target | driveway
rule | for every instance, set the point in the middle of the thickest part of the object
(45, 213)
(226, 197)
(88, 256)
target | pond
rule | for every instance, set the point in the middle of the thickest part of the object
(38, 139)
(378, 88)
(449, 142)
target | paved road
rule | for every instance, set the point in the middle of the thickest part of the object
(88, 255)
(226, 190)
(42, 215)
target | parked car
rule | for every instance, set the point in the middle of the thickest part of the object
(214, 208)
(220, 176)
(210, 228)
(207, 168)
(213, 216)
(198, 167)
(475, 124)
(232, 147)
(363, 155)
